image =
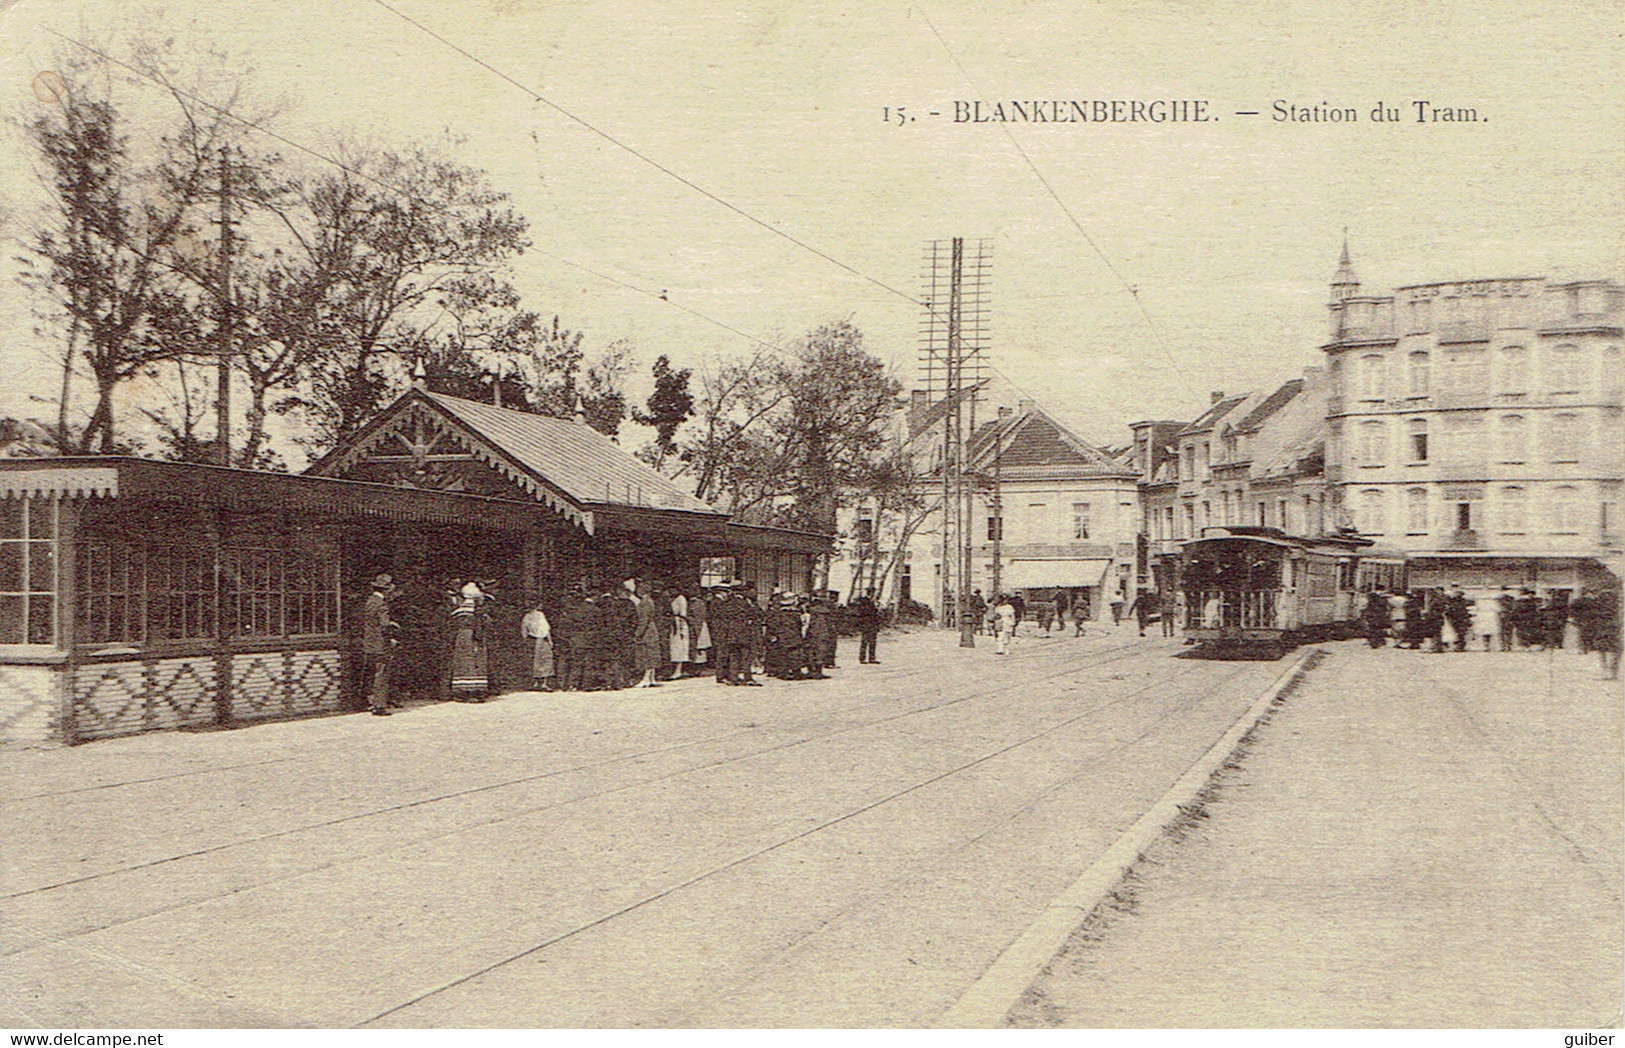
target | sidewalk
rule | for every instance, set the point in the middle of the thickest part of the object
(1413, 841)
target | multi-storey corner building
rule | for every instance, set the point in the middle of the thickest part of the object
(1477, 425)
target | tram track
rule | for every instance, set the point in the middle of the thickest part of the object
(943, 855)
(4, 801)
(1091, 661)
(1094, 710)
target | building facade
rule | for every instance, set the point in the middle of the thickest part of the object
(1050, 516)
(1477, 425)
(1253, 459)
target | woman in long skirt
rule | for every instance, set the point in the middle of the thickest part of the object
(469, 678)
(699, 620)
(648, 643)
(535, 628)
(681, 635)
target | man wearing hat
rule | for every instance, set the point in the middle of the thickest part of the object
(377, 643)
(748, 634)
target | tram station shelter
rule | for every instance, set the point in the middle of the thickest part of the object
(138, 595)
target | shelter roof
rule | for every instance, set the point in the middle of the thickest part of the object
(582, 462)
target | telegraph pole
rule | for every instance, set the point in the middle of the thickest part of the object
(967, 629)
(227, 318)
(998, 510)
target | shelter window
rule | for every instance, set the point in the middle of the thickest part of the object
(27, 571)
(180, 593)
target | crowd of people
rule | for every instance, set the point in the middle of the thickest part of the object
(634, 634)
(1448, 619)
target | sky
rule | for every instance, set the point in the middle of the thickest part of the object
(1136, 266)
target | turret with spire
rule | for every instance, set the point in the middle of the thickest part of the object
(1345, 285)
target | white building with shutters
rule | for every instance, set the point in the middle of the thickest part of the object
(1477, 425)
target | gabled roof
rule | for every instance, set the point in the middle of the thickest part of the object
(566, 465)
(1034, 444)
(577, 459)
(1254, 419)
(1210, 418)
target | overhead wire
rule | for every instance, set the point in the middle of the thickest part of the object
(644, 157)
(1134, 291)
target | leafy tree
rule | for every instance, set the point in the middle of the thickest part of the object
(110, 253)
(669, 406)
(778, 440)
(403, 229)
(840, 400)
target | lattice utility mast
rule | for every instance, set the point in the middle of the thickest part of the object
(952, 356)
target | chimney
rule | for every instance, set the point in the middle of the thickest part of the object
(918, 398)
(1006, 412)
(1217, 395)
(420, 377)
(580, 412)
(1026, 406)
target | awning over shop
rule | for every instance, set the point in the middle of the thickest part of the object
(1053, 573)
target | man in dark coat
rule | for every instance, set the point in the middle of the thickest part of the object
(723, 616)
(620, 618)
(1144, 606)
(782, 657)
(815, 642)
(978, 610)
(567, 626)
(748, 641)
(1554, 618)
(832, 607)
(866, 617)
(1375, 620)
(1508, 611)
(1458, 611)
(1526, 619)
(1415, 616)
(378, 643)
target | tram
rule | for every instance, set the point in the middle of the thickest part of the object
(1257, 587)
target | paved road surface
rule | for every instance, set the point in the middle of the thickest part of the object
(1415, 841)
(851, 852)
